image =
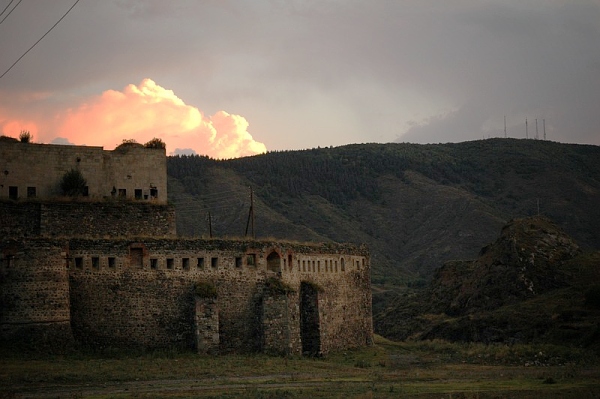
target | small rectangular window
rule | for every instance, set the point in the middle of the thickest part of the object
(251, 259)
(170, 263)
(79, 262)
(9, 260)
(185, 263)
(238, 261)
(318, 266)
(153, 263)
(200, 264)
(303, 265)
(95, 262)
(122, 193)
(137, 193)
(298, 264)
(111, 262)
(86, 191)
(153, 193)
(13, 192)
(31, 191)
(214, 262)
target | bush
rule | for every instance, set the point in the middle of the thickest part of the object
(206, 289)
(277, 287)
(73, 183)
(25, 137)
(155, 143)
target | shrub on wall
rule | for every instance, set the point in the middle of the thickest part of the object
(25, 137)
(73, 183)
(155, 143)
(277, 287)
(205, 289)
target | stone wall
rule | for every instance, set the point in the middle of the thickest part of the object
(29, 170)
(127, 292)
(86, 219)
(142, 292)
(34, 293)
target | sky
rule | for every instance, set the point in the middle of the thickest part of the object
(236, 78)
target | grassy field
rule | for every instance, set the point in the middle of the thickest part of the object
(386, 370)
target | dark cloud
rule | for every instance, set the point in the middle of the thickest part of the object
(307, 74)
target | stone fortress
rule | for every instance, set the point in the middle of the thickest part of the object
(108, 270)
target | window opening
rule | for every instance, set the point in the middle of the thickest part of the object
(200, 263)
(238, 261)
(274, 262)
(95, 262)
(13, 192)
(86, 191)
(138, 193)
(122, 193)
(290, 263)
(342, 266)
(31, 192)
(111, 262)
(153, 193)
(251, 259)
(79, 262)
(153, 263)
(185, 263)
(170, 263)
(214, 262)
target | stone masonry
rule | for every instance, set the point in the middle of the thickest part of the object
(113, 273)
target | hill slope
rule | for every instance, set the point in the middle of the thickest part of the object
(532, 284)
(415, 206)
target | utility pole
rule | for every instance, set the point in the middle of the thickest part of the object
(536, 130)
(504, 126)
(250, 221)
(526, 132)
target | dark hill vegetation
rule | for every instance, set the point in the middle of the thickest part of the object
(415, 206)
(533, 284)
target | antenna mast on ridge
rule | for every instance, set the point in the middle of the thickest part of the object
(544, 123)
(504, 126)
(526, 133)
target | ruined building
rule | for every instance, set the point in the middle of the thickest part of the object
(107, 269)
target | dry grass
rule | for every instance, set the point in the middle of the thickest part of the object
(388, 369)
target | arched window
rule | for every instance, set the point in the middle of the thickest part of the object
(274, 262)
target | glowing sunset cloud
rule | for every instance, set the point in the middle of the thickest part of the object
(142, 113)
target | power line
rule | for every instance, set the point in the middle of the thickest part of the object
(40, 39)
(5, 8)
(6, 16)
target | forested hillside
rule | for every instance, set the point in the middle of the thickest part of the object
(415, 206)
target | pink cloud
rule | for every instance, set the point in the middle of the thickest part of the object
(141, 113)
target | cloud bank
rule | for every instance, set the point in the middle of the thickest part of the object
(141, 113)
